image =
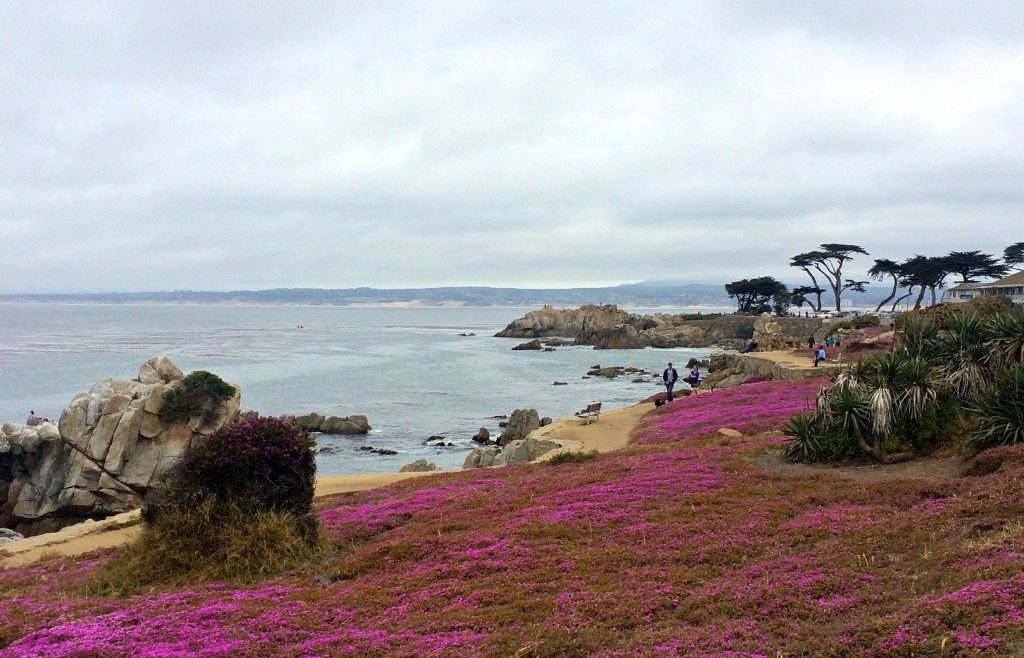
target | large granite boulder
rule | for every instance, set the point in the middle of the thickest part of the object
(107, 450)
(520, 424)
(419, 466)
(520, 451)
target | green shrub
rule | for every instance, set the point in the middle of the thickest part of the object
(997, 412)
(837, 445)
(936, 425)
(802, 435)
(237, 508)
(571, 457)
(195, 394)
(261, 464)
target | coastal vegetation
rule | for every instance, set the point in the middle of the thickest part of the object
(237, 509)
(690, 542)
(197, 393)
(951, 377)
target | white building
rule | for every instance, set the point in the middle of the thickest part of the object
(1011, 286)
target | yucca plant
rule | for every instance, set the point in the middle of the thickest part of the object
(921, 387)
(997, 412)
(964, 354)
(1006, 338)
(919, 338)
(804, 443)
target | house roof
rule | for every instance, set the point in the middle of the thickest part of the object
(1012, 280)
(972, 285)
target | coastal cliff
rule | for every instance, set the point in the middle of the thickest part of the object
(608, 327)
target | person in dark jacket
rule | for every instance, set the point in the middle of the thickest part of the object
(670, 377)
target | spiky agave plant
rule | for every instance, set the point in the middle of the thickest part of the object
(921, 386)
(851, 411)
(882, 386)
(1006, 338)
(919, 338)
(964, 355)
(998, 411)
(804, 442)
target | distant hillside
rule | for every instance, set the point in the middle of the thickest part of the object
(644, 294)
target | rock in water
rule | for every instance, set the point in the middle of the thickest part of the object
(522, 422)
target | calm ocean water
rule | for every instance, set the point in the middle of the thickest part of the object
(407, 369)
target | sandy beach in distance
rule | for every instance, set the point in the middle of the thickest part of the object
(610, 432)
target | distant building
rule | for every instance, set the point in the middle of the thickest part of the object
(1011, 286)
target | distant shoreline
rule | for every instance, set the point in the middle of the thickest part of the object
(410, 304)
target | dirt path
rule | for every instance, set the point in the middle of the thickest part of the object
(924, 468)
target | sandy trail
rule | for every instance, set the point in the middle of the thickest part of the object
(610, 432)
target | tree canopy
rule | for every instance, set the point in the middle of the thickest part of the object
(973, 265)
(756, 295)
(828, 261)
(1013, 255)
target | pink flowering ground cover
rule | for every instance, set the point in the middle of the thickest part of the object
(676, 546)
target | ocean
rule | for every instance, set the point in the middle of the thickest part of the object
(410, 370)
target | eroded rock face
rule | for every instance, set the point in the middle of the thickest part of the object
(107, 450)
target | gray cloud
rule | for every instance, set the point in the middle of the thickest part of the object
(149, 146)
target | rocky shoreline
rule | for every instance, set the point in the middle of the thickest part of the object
(609, 327)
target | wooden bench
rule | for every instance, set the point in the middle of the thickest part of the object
(592, 412)
(838, 358)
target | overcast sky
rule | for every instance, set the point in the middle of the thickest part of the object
(228, 145)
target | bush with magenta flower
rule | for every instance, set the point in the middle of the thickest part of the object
(237, 508)
(258, 465)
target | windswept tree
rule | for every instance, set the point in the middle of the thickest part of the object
(925, 272)
(973, 265)
(755, 295)
(806, 263)
(883, 268)
(1013, 256)
(799, 296)
(829, 262)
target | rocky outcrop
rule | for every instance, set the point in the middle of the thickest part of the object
(482, 436)
(729, 370)
(520, 451)
(418, 466)
(520, 424)
(531, 345)
(108, 449)
(607, 327)
(314, 422)
(549, 322)
(772, 333)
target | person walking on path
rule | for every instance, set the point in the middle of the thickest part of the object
(670, 376)
(810, 341)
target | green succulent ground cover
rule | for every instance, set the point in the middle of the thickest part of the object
(676, 546)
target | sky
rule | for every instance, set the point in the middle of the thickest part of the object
(150, 146)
